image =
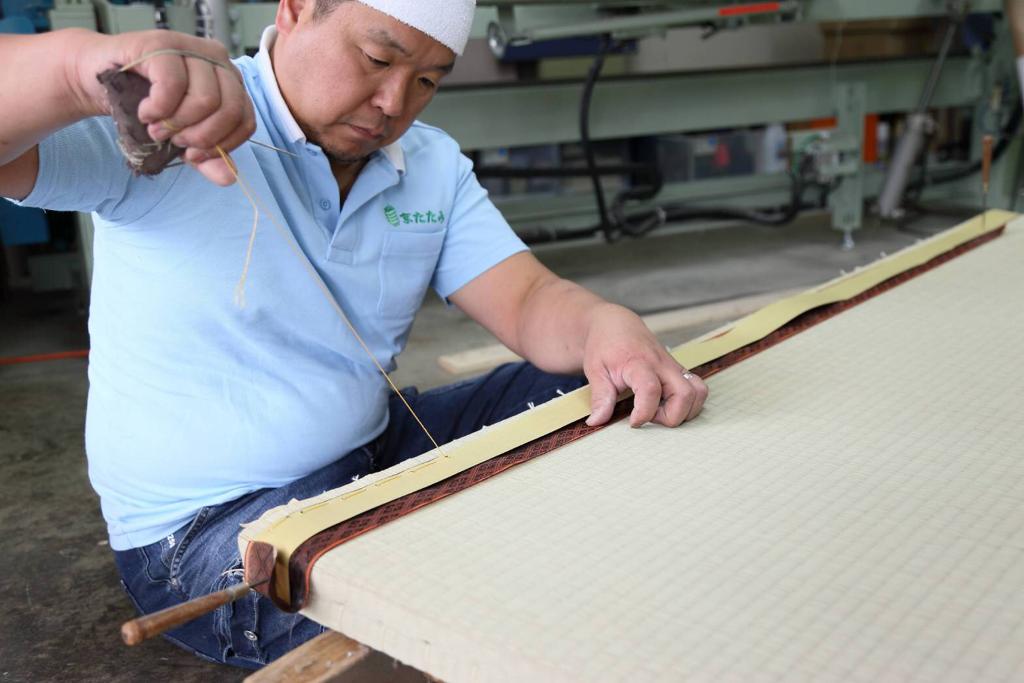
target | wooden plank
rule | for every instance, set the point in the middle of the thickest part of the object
(477, 360)
(487, 357)
(324, 659)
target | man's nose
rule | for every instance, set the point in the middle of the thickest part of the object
(390, 96)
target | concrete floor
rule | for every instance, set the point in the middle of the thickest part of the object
(63, 604)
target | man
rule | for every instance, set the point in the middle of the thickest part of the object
(1015, 17)
(202, 415)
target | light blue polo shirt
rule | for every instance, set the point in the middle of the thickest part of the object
(194, 401)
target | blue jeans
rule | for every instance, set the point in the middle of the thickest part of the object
(202, 556)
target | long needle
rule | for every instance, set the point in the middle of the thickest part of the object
(320, 284)
(286, 235)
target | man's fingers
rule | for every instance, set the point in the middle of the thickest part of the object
(211, 164)
(677, 398)
(685, 394)
(196, 156)
(646, 387)
(700, 394)
(168, 75)
(229, 124)
(603, 396)
(216, 171)
(202, 98)
(191, 100)
(237, 137)
(239, 118)
(198, 106)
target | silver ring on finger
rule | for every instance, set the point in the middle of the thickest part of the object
(688, 376)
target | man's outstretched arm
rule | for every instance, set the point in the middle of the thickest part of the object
(49, 82)
(561, 327)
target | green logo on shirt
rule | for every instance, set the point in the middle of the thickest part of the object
(391, 215)
(396, 218)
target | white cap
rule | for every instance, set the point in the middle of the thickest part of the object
(446, 21)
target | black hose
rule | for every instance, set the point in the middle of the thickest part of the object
(777, 217)
(618, 222)
(547, 235)
(604, 223)
(643, 222)
(562, 171)
(639, 225)
(661, 215)
(652, 218)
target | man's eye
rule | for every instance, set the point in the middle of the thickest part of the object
(427, 83)
(375, 61)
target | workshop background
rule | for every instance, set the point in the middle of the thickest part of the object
(692, 160)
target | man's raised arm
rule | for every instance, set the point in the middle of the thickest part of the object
(49, 82)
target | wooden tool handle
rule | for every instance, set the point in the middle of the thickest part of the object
(986, 161)
(137, 630)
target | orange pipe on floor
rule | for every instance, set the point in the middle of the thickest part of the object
(59, 355)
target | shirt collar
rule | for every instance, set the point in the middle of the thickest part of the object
(279, 109)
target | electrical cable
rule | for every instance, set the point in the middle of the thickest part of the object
(604, 222)
(562, 171)
(617, 222)
(679, 212)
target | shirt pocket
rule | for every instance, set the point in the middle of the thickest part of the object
(407, 263)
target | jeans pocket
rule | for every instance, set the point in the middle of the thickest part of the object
(131, 597)
(181, 544)
(238, 623)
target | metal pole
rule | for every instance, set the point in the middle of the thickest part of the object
(213, 21)
(918, 123)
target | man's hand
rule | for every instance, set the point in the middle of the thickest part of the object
(561, 327)
(1014, 12)
(193, 102)
(49, 82)
(620, 353)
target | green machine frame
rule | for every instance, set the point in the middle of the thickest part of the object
(542, 112)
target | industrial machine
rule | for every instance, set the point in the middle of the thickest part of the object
(570, 150)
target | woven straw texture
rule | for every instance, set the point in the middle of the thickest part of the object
(849, 507)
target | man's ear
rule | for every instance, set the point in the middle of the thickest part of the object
(288, 12)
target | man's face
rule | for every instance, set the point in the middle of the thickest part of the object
(355, 79)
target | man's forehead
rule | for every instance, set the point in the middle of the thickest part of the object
(446, 21)
(384, 38)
